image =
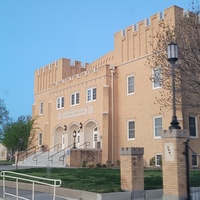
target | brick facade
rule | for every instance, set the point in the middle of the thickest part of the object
(132, 169)
(106, 118)
(174, 165)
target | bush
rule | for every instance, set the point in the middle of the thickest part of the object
(98, 165)
(84, 164)
(118, 163)
(152, 161)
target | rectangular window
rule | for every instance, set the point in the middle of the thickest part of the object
(39, 139)
(60, 102)
(75, 99)
(130, 85)
(193, 126)
(158, 160)
(157, 126)
(194, 160)
(41, 108)
(131, 130)
(91, 94)
(156, 77)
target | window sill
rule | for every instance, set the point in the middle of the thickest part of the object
(156, 88)
(157, 137)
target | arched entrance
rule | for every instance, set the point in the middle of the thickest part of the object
(59, 137)
(74, 141)
(92, 135)
(96, 139)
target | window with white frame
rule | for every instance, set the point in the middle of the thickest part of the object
(60, 103)
(74, 99)
(157, 127)
(91, 94)
(41, 108)
(158, 159)
(156, 77)
(39, 139)
(130, 85)
(131, 129)
(194, 160)
(193, 126)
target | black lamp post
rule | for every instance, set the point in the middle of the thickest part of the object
(172, 57)
(74, 135)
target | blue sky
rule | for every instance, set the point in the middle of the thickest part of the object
(34, 33)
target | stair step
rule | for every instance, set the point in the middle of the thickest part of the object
(43, 160)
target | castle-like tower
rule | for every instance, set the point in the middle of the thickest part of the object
(109, 102)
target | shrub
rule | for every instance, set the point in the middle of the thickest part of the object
(98, 165)
(84, 164)
(118, 163)
(152, 161)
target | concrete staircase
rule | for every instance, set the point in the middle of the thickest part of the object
(45, 159)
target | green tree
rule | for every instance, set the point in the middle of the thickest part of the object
(4, 114)
(18, 135)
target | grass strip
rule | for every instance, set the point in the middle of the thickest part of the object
(100, 180)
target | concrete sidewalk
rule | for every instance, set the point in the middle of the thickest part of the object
(28, 194)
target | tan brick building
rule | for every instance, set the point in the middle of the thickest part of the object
(109, 102)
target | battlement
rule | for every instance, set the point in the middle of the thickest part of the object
(129, 44)
(145, 22)
(57, 71)
(56, 64)
(136, 40)
(88, 75)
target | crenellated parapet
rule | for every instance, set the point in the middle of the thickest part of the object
(131, 43)
(136, 40)
(89, 75)
(55, 72)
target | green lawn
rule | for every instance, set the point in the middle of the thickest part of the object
(195, 178)
(100, 180)
(6, 162)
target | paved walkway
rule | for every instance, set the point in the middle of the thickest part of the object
(26, 193)
(12, 167)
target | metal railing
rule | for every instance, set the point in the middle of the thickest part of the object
(27, 178)
(28, 152)
(50, 158)
(61, 158)
(57, 146)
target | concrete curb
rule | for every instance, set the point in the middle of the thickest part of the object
(84, 195)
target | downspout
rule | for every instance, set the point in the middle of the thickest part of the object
(112, 70)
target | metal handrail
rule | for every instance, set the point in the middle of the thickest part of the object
(36, 156)
(87, 144)
(26, 151)
(35, 148)
(24, 177)
(50, 158)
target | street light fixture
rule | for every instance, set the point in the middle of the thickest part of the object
(172, 57)
(74, 135)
